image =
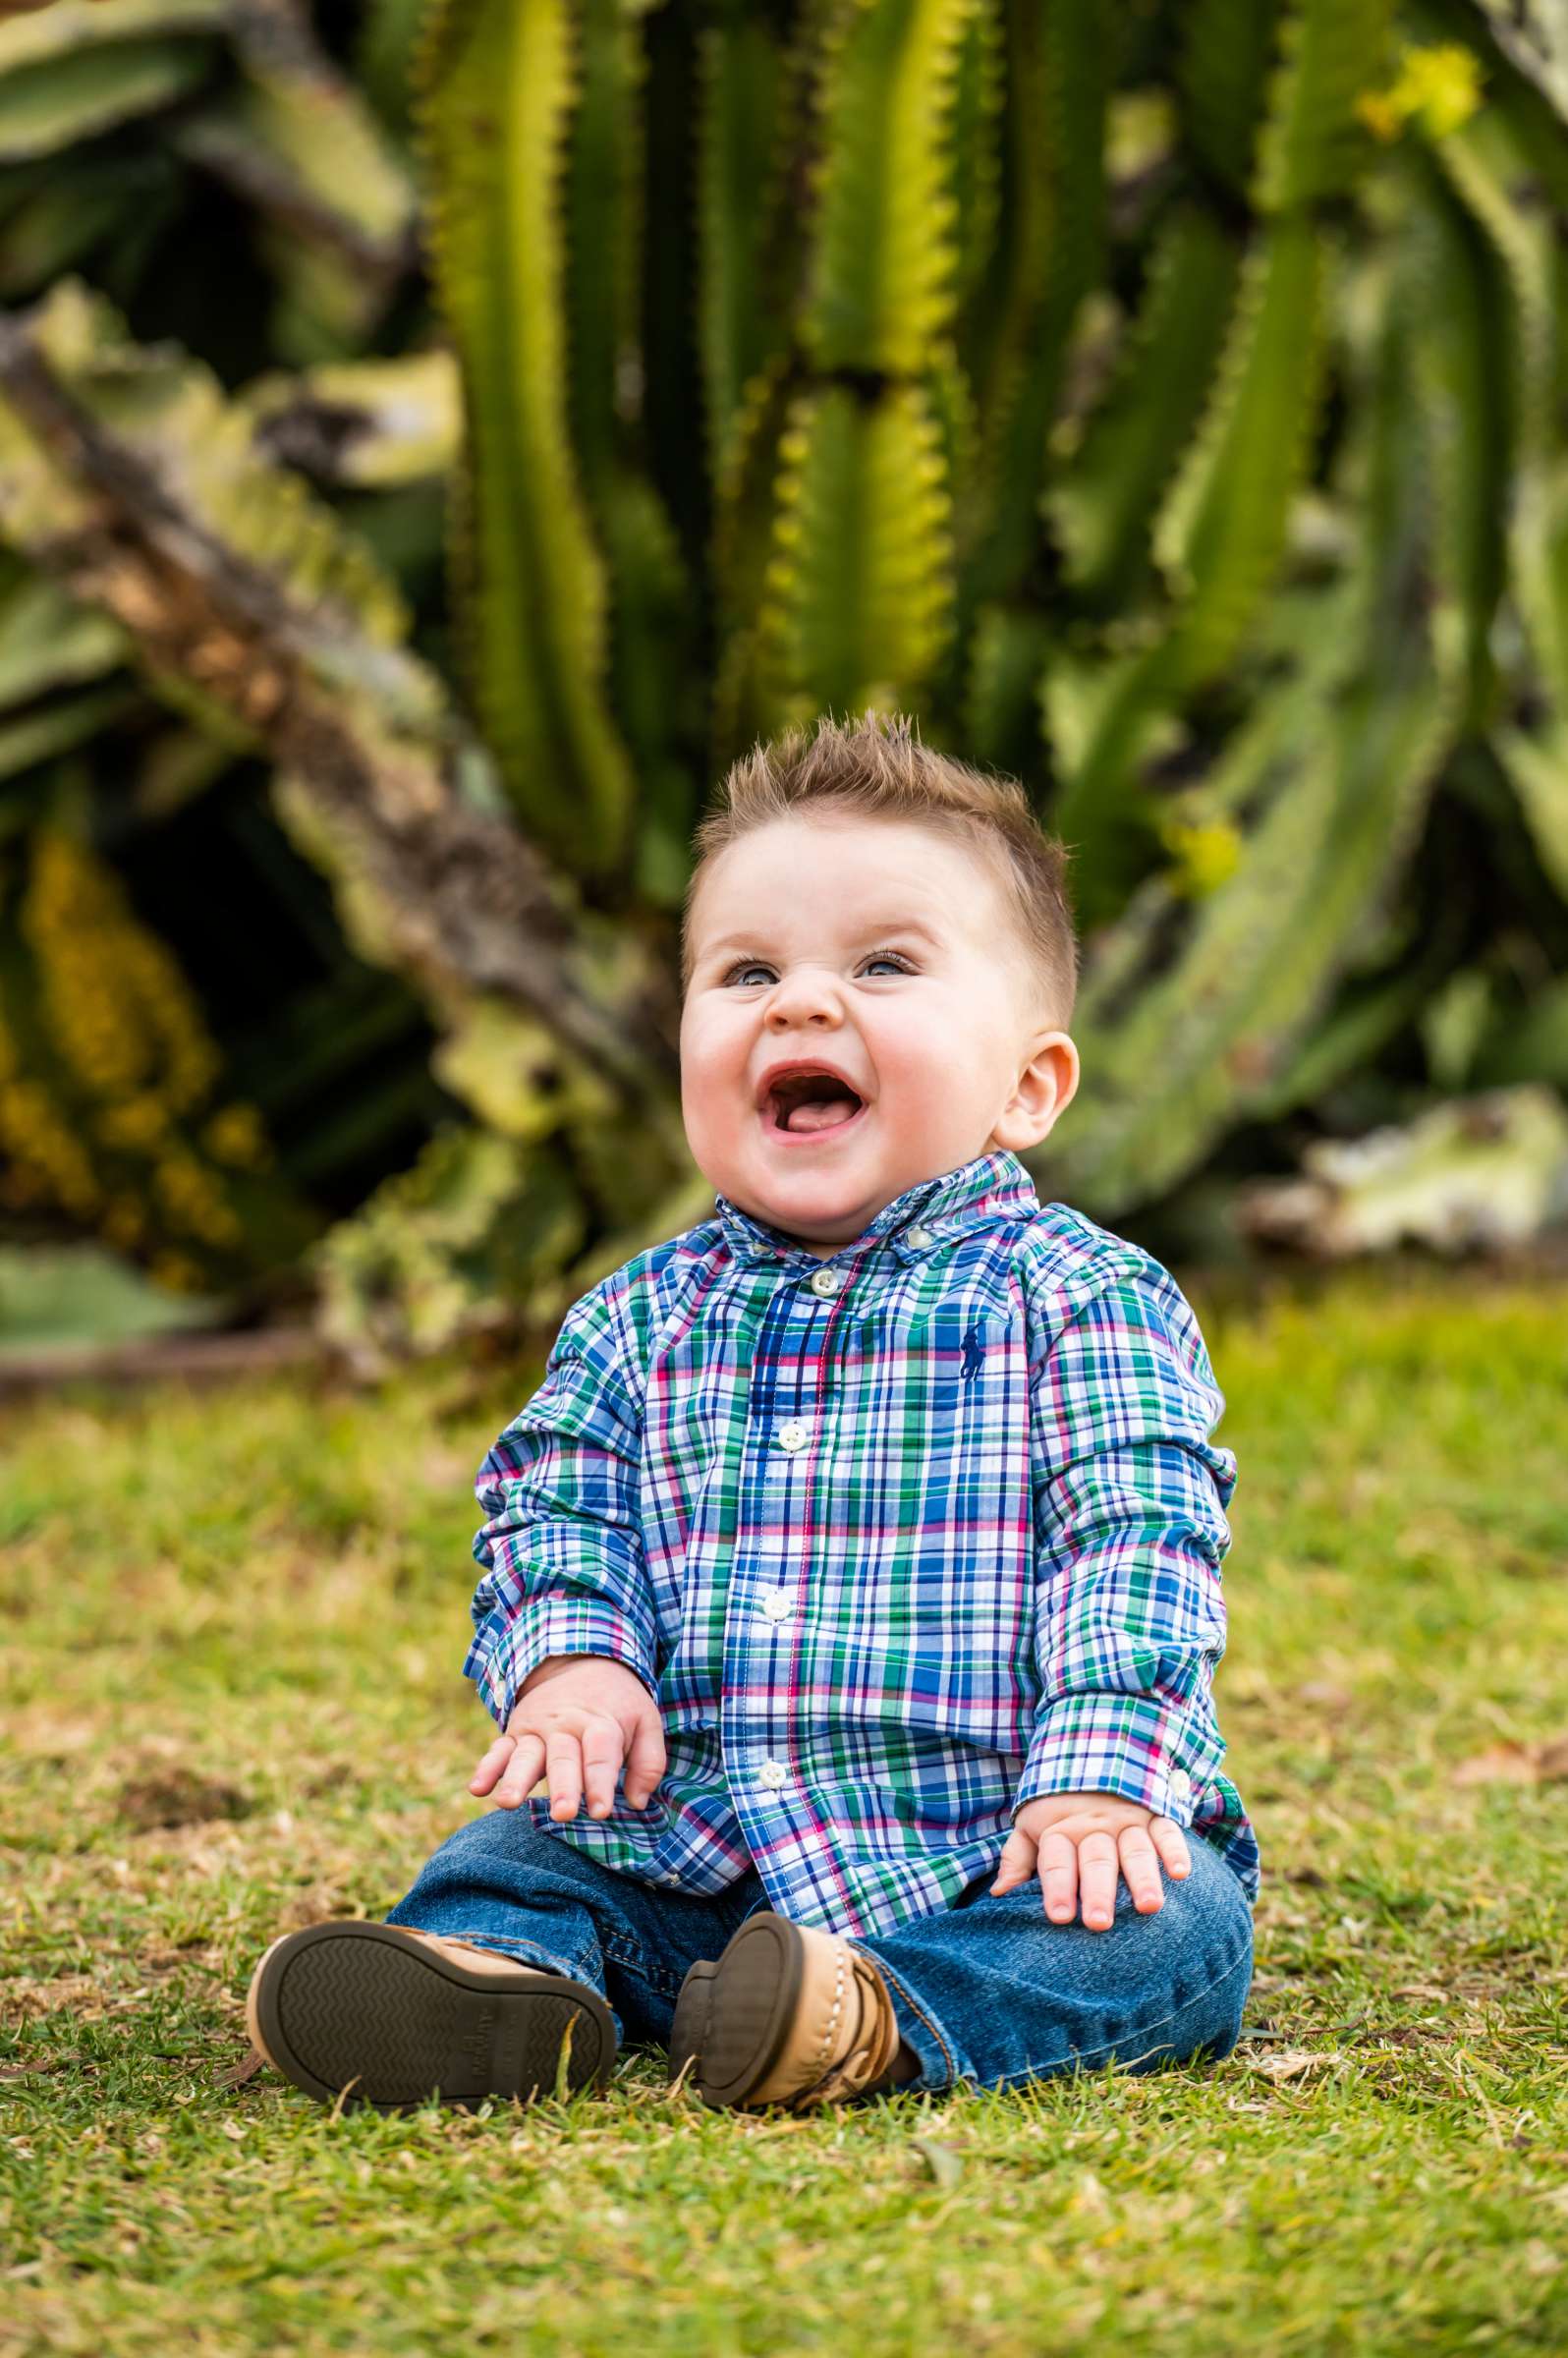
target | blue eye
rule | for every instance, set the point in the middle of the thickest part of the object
(756, 966)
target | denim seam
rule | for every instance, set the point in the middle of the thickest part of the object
(1085, 2054)
(913, 2005)
(634, 1958)
(577, 1969)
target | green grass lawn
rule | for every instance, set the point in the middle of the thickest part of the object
(233, 1625)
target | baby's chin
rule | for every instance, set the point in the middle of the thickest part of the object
(821, 1208)
(823, 1224)
(813, 1208)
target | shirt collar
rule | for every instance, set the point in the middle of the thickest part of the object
(992, 1187)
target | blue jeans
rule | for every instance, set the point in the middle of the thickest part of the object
(988, 1991)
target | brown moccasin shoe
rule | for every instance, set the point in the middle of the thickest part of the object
(788, 2015)
(386, 2016)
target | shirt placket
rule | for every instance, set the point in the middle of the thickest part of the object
(775, 1534)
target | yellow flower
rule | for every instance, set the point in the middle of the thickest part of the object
(1377, 110)
(192, 1199)
(1443, 85)
(235, 1135)
(1438, 88)
(1204, 853)
(33, 1136)
(131, 1055)
(135, 1124)
(116, 1004)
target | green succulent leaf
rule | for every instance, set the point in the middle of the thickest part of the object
(1059, 73)
(1227, 46)
(979, 92)
(880, 286)
(1102, 501)
(1485, 167)
(1537, 768)
(600, 200)
(388, 41)
(305, 147)
(1332, 52)
(1179, 1044)
(48, 641)
(168, 410)
(78, 67)
(1001, 715)
(860, 581)
(1461, 336)
(744, 107)
(1219, 535)
(499, 81)
(374, 426)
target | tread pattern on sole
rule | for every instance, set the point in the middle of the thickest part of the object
(401, 2027)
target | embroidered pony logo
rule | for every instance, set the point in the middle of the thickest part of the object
(974, 1355)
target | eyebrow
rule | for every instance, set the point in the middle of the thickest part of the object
(897, 925)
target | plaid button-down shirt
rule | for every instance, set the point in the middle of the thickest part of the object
(898, 1539)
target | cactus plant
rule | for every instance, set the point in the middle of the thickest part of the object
(1164, 407)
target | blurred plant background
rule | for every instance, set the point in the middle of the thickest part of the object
(436, 436)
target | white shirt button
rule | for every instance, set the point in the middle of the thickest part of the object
(919, 1237)
(826, 1281)
(669, 1878)
(1179, 1786)
(794, 1435)
(777, 1604)
(773, 1773)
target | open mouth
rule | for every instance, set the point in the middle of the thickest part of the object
(812, 1105)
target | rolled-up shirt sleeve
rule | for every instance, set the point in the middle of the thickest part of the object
(562, 1548)
(1130, 1495)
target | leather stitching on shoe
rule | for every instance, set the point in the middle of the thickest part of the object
(825, 2049)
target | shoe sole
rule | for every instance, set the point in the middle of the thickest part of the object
(690, 2026)
(732, 2019)
(367, 2012)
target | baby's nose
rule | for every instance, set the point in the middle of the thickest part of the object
(799, 994)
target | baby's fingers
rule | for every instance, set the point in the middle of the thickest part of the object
(1141, 1870)
(1058, 1876)
(1171, 1844)
(563, 1753)
(646, 1761)
(491, 1766)
(523, 1775)
(601, 1760)
(1017, 1861)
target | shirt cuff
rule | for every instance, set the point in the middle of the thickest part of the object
(1130, 1744)
(548, 1626)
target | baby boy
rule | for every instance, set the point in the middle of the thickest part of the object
(852, 1583)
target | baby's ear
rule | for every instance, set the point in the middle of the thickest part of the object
(1046, 1087)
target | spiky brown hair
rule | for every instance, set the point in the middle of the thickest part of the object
(875, 766)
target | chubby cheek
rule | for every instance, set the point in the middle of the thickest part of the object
(713, 1081)
(916, 1067)
(699, 1098)
(929, 1085)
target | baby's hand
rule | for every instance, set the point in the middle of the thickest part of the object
(1077, 1841)
(577, 1718)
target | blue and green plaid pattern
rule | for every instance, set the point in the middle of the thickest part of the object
(898, 1539)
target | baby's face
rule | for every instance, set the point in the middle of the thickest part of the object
(883, 954)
